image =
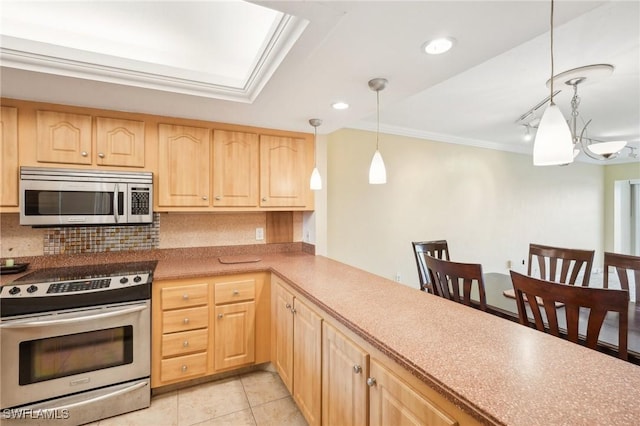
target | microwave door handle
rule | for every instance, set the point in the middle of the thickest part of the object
(81, 318)
(115, 203)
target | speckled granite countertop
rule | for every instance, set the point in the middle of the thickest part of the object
(502, 371)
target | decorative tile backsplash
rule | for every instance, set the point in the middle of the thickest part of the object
(99, 239)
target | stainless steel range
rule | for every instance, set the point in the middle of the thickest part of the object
(75, 344)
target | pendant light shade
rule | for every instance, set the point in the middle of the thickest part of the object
(553, 144)
(315, 183)
(377, 170)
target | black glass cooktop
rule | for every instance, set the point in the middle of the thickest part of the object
(69, 273)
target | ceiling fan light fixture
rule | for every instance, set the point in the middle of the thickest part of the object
(438, 46)
(608, 149)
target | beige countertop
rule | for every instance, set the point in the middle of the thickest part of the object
(508, 373)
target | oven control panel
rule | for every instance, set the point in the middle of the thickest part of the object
(63, 288)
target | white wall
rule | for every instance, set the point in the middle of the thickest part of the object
(489, 205)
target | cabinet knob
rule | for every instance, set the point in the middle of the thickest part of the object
(371, 381)
(101, 155)
(185, 321)
(205, 198)
(293, 310)
(220, 315)
(236, 292)
(264, 198)
(185, 344)
(184, 368)
(84, 153)
(185, 296)
(218, 197)
(357, 369)
(288, 306)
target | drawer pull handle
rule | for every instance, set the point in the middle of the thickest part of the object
(220, 315)
(236, 292)
(184, 368)
(185, 296)
(185, 321)
(101, 155)
(84, 153)
(218, 197)
(357, 369)
(205, 198)
(185, 344)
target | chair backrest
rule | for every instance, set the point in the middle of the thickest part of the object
(572, 260)
(436, 248)
(599, 301)
(455, 281)
(623, 263)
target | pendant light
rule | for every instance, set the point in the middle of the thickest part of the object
(377, 170)
(553, 144)
(315, 182)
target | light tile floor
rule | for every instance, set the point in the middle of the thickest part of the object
(257, 398)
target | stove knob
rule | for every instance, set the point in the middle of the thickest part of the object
(14, 290)
(32, 289)
(137, 279)
(124, 280)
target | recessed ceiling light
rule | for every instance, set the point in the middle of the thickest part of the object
(438, 45)
(340, 105)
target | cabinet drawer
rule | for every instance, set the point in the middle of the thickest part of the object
(185, 319)
(185, 342)
(235, 291)
(183, 297)
(183, 367)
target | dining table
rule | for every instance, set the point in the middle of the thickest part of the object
(497, 284)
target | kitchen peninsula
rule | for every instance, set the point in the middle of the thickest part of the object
(488, 369)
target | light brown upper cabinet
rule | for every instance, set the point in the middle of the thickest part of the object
(119, 142)
(63, 138)
(285, 169)
(9, 159)
(235, 169)
(66, 138)
(183, 166)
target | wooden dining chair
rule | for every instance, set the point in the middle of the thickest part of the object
(547, 294)
(623, 263)
(436, 248)
(568, 262)
(455, 281)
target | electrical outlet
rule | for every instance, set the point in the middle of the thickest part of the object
(398, 277)
(259, 234)
(508, 264)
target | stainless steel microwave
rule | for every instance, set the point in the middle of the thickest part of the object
(55, 197)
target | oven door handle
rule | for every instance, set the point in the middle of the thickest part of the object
(74, 319)
(113, 394)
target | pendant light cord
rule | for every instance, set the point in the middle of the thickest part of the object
(315, 148)
(551, 97)
(378, 118)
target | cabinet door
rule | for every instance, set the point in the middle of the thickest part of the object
(345, 367)
(284, 171)
(63, 138)
(9, 160)
(283, 324)
(234, 335)
(393, 402)
(183, 166)
(235, 169)
(119, 142)
(307, 362)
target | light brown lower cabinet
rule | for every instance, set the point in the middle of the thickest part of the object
(345, 368)
(202, 326)
(298, 350)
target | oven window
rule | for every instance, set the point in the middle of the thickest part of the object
(60, 356)
(70, 203)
